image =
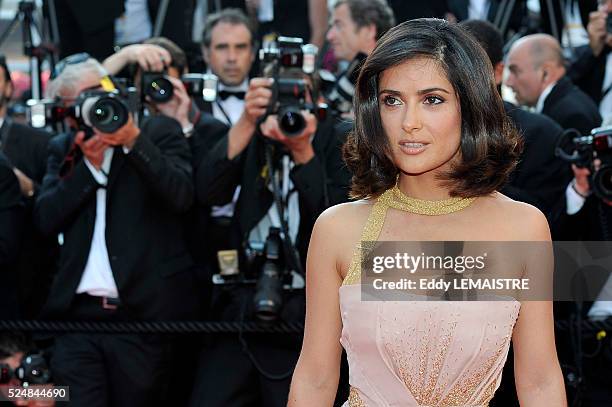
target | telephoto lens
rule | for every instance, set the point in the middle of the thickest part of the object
(106, 113)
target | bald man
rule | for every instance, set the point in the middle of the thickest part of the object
(538, 79)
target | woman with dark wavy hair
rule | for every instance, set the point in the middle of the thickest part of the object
(431, 146)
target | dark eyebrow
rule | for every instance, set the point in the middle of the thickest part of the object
(420, 92)
(429, 90)
(390, 91)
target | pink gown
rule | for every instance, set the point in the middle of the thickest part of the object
(421, 353)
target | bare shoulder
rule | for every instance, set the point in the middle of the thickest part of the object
(515, 220)
(338, 230)
(344, 219)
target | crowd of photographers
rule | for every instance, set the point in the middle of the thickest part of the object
(139, 191)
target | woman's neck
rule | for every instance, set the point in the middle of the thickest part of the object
(423, 186)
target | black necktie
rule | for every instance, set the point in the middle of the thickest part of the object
(224, 94)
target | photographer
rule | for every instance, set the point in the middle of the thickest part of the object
(241, 370)
(592, 61)
(117, 199)
(18, 368)
(586, 215)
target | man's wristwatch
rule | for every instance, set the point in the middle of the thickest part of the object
(188, 130)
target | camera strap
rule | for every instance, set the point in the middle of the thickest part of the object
(224, 113)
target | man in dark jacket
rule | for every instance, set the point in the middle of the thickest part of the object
(117, 202)
(10, 238)
(538, 78)
(540, 177)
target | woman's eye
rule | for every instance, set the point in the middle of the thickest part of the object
(433, 100)
(391, 101)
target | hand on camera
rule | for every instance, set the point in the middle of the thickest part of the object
(148, 56)
(257, 99)
(300, 145)
(178, 107)
(92, 148)
(598, 34)
(126, 136)
(581, 180)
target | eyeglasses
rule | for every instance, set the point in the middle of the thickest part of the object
(69, 60)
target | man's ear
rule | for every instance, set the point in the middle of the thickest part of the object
(371, 31)
(498, 72)
(205, 54)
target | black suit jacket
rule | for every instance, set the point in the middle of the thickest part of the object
(26, 149)
(10, 237)
(588, 71)
(148, 192)
(571, 107)
(540, 177)
(207, 133)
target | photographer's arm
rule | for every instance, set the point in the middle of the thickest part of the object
(148, 56)
(60, 196)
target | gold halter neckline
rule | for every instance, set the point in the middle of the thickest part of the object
(396, 199)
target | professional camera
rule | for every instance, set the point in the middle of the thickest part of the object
(105, 111)
(585, 150)
(159, 89)
(268, 298)
(288, 62)
(32, 370)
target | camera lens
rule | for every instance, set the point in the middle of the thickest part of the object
(159, 89)
(602, 182)
(268, 293)
(291, 121)
(107, 114)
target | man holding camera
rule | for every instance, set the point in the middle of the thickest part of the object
(288, 176)
(116, 194)
(592, 68)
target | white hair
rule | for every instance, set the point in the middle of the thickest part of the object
(68, 83)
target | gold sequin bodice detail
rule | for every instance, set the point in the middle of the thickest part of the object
(420, 353)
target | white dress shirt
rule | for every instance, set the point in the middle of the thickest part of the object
(540, 105)
(97, 278)
(605, 106)
(478, 9)
(228, 111)
(232, 107)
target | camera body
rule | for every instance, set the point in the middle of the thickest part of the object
(33, 369)
(586, 149)
(288, 61)
(157, 87)
(105, 111)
